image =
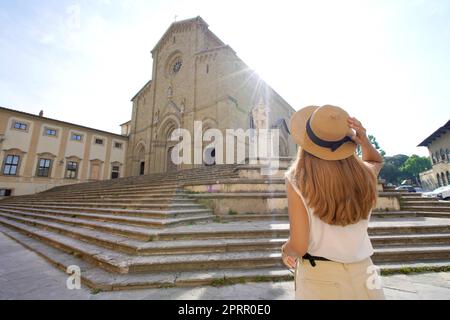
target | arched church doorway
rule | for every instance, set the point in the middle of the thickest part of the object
(169, 124)
(142, 168)
(139, 160)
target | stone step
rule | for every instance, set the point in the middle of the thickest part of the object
(92, 236)
(412, 213)
(180, 198)
(92, 187)
(415, 196)
(114, 211)
(281, 229)
(262, 229)
(136, 247)
(393, 214)
(138, 233)
(262, 194)
(432, 214)
(425, 208)
(105, 185)
(55, 215)
(412, 253)
(123, 214)
(201, 246)
(416, 203)
(375, 215)
(130, 194)
(410, 239)
(173, 176)
(406, 214)
(253, 217)
(123, 263)
(168, 181)
(176, 205)
(96, 278)
(413, 225)
(134, 232)
(124, 192)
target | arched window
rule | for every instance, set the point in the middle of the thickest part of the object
(436, 154)
(433, 159)
(442, 155)
(438, 180)
(444, 180)
(448, 177)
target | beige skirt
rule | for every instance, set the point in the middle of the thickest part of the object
(330, 280)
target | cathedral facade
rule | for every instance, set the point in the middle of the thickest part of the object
(196, 77)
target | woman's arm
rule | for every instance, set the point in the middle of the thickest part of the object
(298, 242)
(370, 155)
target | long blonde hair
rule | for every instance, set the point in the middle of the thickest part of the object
(339, 192)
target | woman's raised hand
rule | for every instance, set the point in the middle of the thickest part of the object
(360, 135)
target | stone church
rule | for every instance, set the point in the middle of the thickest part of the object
(197, 77)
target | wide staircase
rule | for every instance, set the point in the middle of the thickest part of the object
(150, 231)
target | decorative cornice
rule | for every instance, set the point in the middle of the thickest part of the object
(46, 154)
(17, 150)
(73, 158)
(59, 122)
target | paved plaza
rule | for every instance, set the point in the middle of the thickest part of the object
(24, 275)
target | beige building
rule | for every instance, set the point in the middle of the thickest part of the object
(38, 153)
(197, 77)
(438, 144)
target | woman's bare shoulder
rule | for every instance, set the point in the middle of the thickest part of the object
(290, 175)
(374, 166)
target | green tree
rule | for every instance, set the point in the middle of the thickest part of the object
(398, 160)
(415, 165)
(375, 143)
(391, 171)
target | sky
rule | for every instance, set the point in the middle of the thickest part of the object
(384, 61)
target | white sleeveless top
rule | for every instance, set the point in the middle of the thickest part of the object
(347, 244)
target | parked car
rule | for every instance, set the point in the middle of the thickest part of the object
(441, 192)
(390, 185)
(444, 193)
(406, 188)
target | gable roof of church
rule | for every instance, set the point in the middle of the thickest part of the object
(183, 23)
(142, 89)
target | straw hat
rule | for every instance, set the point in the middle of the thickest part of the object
(323, 132)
